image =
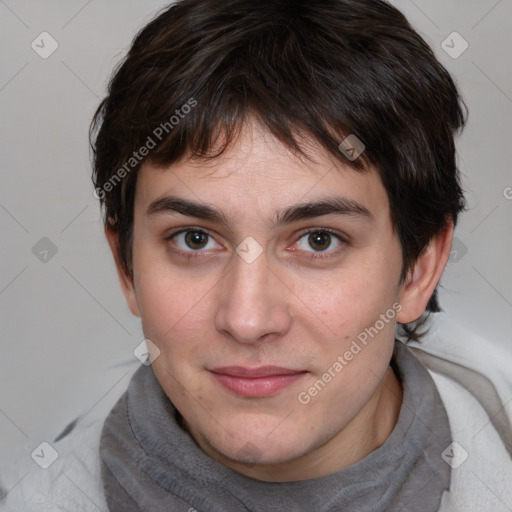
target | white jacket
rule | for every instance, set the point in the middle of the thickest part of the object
(481, 459)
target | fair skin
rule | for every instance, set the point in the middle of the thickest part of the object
(300, 304)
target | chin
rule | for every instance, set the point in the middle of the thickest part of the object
(262, 450)
(249, 438)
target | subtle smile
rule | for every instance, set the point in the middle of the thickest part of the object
(256, 382)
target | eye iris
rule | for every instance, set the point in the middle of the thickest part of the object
(196, 239)
(320, 240)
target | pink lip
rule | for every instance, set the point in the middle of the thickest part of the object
(256, 382)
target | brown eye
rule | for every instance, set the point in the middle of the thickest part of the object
(196, 239)
(191, 240)
(320, 240)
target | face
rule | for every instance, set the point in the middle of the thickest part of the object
(258, 275)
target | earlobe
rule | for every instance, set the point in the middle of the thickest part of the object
(125, 279)
(422, 279)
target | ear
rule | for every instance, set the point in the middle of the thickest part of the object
(124, 278)
(422, 279)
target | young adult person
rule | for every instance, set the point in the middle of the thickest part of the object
(280, 190)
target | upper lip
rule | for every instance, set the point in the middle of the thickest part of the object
(262, 371)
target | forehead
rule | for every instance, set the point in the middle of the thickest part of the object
(258, 172)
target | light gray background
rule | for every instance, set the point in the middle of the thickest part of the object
(66, 336)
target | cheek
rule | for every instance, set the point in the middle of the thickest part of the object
(347, 302)
(169, 301)
(170, 311)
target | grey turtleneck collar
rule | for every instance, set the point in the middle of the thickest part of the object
(150, 463)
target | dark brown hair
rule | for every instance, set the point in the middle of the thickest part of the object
(321, 69)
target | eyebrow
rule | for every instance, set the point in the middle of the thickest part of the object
(330, 205)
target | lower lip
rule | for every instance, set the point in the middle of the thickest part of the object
(258, 386)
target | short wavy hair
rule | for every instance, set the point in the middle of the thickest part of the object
(319, 69)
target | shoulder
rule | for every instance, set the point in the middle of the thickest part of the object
(481, 464)
(71, 482)
(451, 341)
(473, 378)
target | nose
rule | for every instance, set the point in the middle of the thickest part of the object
(253, 302)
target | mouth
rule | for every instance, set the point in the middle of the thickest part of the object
(256, 382)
